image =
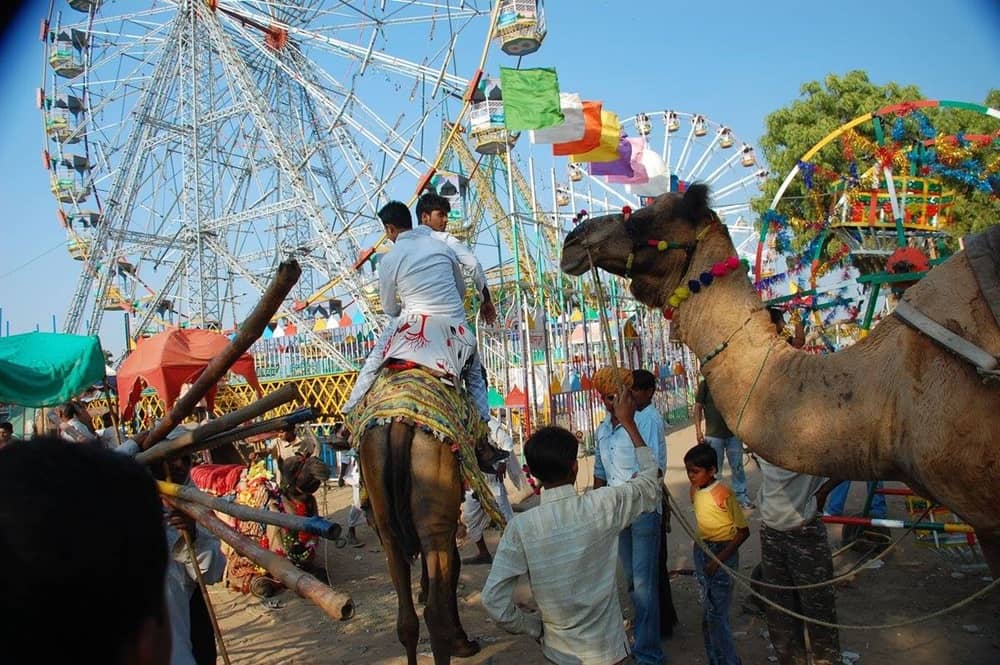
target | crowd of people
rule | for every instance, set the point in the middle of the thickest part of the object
(569, 547)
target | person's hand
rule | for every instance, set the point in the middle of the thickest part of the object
(501, 471)
(181, 521)
(700, 437)
(625, 407)
(711, 568)
(488, 312)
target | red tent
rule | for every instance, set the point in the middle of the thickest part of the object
(168, 360)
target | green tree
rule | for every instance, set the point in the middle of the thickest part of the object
(823, 107)
(974, 209)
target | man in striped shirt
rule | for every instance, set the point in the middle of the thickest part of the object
(568, 547)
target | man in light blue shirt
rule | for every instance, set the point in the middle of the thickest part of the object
(615, 463)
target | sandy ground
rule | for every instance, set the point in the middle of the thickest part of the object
(914, 581)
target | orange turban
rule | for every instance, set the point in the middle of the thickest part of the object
(610, 380)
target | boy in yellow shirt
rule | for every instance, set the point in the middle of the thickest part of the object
(722, 528)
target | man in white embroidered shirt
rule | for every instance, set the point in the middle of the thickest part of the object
(422, 287)
(568, 546)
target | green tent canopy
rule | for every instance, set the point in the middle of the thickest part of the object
(46, 369)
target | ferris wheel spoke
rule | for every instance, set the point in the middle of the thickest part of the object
(238, 76)
(699, 165)
(715, 175)
(299, 78)
(741, 184)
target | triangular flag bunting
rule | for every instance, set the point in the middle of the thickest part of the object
(607, 147)
(591, 133)
(572, 127)
(530, 98)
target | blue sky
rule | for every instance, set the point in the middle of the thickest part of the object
(733, 61)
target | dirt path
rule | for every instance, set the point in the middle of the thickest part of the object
(914, 581)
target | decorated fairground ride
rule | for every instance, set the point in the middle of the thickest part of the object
(193, 145)
(879, 199)
(876, 212)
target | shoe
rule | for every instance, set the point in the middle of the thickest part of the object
(478, 560)
(489, 456)
(353, 541)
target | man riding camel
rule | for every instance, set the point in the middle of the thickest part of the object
(422, 287)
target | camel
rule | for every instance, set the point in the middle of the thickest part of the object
(414, 486)
(894, 406)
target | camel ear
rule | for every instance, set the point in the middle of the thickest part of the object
(694, 206)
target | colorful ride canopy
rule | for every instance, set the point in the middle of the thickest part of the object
(45, 369)
(168, 360)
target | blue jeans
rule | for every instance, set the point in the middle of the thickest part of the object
(716, 594)
(732, 448)
(838, 497)
(638, 548)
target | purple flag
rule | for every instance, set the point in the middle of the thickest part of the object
(619, 167)
(640, 173)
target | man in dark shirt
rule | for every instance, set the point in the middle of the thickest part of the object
(718, 435)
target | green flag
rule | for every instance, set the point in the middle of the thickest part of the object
(530, 98)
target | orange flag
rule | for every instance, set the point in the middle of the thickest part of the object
(591, 133)
(607, 147)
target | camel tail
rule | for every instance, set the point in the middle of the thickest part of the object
(398, 482)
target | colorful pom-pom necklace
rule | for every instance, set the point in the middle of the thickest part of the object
(705, 279)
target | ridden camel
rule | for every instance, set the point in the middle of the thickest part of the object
(894, 406)
(415, 491)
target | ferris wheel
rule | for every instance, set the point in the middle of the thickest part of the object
(675, 149)
(192, 145)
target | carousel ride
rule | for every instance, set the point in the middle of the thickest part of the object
(875, 205)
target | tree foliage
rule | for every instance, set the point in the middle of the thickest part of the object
(824, 106)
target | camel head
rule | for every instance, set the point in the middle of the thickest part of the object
(659, 238)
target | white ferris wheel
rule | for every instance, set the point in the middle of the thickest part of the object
(678, 149)
(194, 144)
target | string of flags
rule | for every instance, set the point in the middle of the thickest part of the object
(582, 130)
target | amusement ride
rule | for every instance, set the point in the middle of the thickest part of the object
(193, 145)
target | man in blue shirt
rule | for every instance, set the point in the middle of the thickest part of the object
(638, 545)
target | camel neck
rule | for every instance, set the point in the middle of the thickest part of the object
(765, 389)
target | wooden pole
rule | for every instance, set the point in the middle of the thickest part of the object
(189, 544)
(335, 604)
(221, 424)
(273, 425)
(251, 330)
(204, 594)
(314, 525)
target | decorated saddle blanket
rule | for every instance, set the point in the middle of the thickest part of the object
(440, 343)
(983, 252)
(416, 397)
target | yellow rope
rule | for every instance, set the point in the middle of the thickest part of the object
(760, 370)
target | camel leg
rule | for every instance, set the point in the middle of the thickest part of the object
(437, 491)
(463, 646)
(373, 457)
(422, 597)
(438, 612)
(990, 545)
(407, 622)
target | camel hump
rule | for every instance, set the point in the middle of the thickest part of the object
(983, 253)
